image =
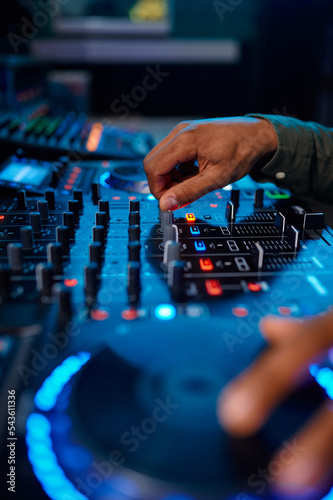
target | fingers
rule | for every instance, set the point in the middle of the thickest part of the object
(187, 191)
(180, 149)
(306, 462)
(247, 402)
(277, 330)
(167, 139)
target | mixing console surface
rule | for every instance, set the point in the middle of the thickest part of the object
(120, 325)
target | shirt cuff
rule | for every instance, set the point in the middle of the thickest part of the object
(291, 165)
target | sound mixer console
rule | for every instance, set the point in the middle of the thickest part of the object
(120, 325)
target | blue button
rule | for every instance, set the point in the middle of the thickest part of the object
(200, 246)
(195, 230)
(165, 312)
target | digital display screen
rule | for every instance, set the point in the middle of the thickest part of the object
(22, 173)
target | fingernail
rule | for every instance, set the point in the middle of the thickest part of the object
(170, 204)
(237, 407)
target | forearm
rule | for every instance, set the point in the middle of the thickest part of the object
(303, 162)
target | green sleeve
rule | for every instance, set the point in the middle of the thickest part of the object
(303, 162)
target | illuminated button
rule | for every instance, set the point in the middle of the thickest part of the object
(254, 287)
(200, 246)
(116, 198)
(195, 230)
(70, 283)
(99, 314)
(2, 217)
(190, 218)
(132, 198)
(213, 287)
(284, 310)
(130, 314)
(68, 187)
(77, 170)
(206, 265)
(213, 205)
(165, 312)
(240, 312)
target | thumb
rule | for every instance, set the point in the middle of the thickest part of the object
(188, 191)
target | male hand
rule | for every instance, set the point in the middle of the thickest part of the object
(200, 156)
(247, 402)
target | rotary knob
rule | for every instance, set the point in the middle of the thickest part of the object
(134, 206)
(104, 206)
(73, 206)
(68, 220)
(35, 222)
(171, 252)
(99, 234)
(78, 196)
(15, 256)
(44, 279)
(43, 209)
(50, 198)
(62, 236)
(54, 256)
(133, 283)
(21, 198)
(27, 237)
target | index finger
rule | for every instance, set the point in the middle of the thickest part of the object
(180, 149)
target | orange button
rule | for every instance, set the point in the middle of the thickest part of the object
(99, 314)
(130, 314)
(68, 187)
(213, 205)
(70, 282)
(254, 287)
(240, 312)
(206, 265)
(190, 218)
(213, 287)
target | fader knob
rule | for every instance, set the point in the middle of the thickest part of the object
(258, 254)
(95, 252)
(54, 256)
(15, 256)
(43, 209)
(91, 280)
(44, 279)
(99, 234)
(73, 206)
(95, 192)
(4, 281)
(101, 219)
(104, 206)
(167, 219)
(293, 236)
(78, 196)
(134, 218)
(313, 221)
(35, 222)
(134, 248)
(62, 236)
(234, 197)
(280, 223)
(134, 206)
(176, 276)
(230, 212)
(171, 252)
(259, 198)
(170, 233)
(64, 296)
(68, 220)
(21, 198)
(27, 237)
(133, 283)
(50, 198)
(134, 233)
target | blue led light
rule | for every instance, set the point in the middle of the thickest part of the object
(329, 496)
(150, 197)
(200, 246)
(317, 285)
(46, 397)
(165, 312)
(323, 377)
(195, 230)
(103, 178)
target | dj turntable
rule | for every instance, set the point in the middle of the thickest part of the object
(120, 324)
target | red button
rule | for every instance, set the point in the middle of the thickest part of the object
(71, 282)
(285, 310)
(68, 187)
(206, 265)
(213, 287)
(130, 314)
(2, 217)
(213, 205)
(77, 170)
(190, 218)
(254, 287)
(240, 311)
(99, 315)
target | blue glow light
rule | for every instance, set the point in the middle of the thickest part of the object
(319, 287)
(46, 397)
(103, 178)
(200, 246)
(329, 496)
(323, 377)
(150, 197)
(165, 312)
(195, 230)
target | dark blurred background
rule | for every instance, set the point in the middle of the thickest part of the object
(212, 58)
